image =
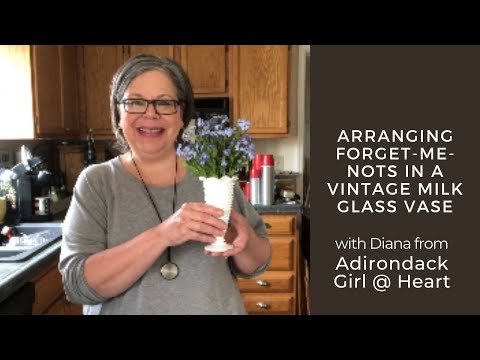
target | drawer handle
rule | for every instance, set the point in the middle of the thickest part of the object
(268, 226)
(263, 283)
(263, 304)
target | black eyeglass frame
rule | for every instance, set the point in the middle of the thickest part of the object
(154, 102)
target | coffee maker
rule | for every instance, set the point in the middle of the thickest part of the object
(31, 190)
(32, 187)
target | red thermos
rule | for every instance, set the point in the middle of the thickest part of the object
(255, 186)
(267, 180)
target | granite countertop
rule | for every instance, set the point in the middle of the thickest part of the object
(278, 208)
(13, 275)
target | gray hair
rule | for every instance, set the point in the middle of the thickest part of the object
(137, 66)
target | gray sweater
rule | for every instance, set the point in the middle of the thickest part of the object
(109, 207)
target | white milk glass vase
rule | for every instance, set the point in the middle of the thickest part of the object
(219, 193)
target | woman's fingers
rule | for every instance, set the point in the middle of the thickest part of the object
(194, 215)
(201, 237)
(205, 218)
(202, 219)
(205, 208)
(198, 221)
(202, 227)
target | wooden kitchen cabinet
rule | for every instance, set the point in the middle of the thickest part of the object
(49, 294)
(61, 306)
(97, 64)
(255, 77)
(207, 68)
(206, 65)
(55, 91)
(276, 291)
(71, 84)
(72, 161)
(260, 88)
(157, 50)
(69, 77)
(47, 90)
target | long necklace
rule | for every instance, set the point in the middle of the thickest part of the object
(169, 270)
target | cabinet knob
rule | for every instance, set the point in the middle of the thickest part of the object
(263, 283)
(263, 304)
(268, 226)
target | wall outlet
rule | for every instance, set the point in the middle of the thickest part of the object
(4, 157)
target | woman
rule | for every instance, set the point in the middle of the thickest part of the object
(135, 231)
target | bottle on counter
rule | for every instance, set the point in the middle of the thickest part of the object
(90, 155)
(255, 190)
(267, 180)
(257, 162)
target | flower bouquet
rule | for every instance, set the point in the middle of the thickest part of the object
(215, 152)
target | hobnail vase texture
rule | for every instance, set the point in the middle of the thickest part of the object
(219, 193)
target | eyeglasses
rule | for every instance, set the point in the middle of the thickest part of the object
(140, 106)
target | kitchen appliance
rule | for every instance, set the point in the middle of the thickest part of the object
(208, 107)
(30, 183)
(286, 187)
(31, 189)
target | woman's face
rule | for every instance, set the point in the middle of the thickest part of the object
(151, 134)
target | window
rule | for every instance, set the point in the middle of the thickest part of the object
(16, 105)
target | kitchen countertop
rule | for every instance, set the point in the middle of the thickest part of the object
(13, 275)
(278, 208)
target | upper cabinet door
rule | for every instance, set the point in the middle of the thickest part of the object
(55, 91)
(98, 64)
(47, 90)
(158, 50)
(260, 88)
(69, 89)
(206, 66)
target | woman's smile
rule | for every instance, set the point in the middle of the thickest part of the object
(154, 132)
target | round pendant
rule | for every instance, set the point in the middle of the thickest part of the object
(169, 271)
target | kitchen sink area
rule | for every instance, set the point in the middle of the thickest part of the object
(10, 253)
(30, 239)
(23, 259)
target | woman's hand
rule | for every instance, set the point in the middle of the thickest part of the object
(193, 221)
(237, 234)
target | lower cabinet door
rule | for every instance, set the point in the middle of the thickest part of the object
(57, 308)
(62, 306)
(47, 289)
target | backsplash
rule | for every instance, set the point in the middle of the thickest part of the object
(286, 152)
